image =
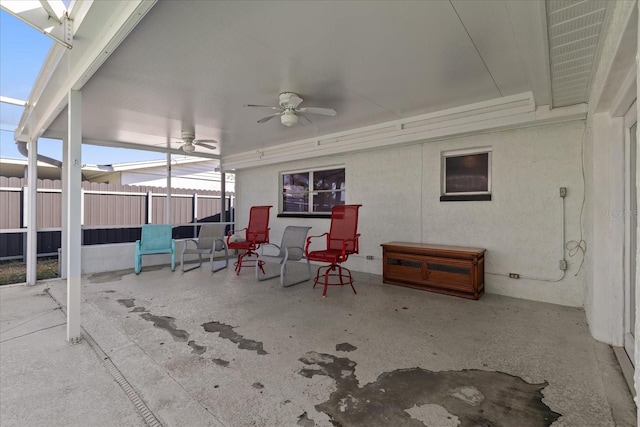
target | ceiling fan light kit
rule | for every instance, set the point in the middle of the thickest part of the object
(289, 111)
(188, 148)
(288, 118)
(189, 142)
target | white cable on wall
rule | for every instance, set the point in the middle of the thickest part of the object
(543, 279)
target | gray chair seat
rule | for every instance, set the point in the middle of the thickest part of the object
(210, 240)
(290, 249)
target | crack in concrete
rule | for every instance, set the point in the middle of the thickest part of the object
(476, 397)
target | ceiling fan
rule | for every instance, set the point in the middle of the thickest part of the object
(289, 110)
(189, 142)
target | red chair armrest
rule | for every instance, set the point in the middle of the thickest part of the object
(306, 247)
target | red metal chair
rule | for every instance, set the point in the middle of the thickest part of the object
(342, 241)
(255, 234)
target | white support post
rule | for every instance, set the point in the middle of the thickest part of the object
(64, 243)
(168, 199)
(223, 197)
(637, 302)
(74, 228)
(32, 217)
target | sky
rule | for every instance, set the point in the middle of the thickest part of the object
(23, 50)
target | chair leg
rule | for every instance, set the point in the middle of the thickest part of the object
(326, 280)
(343, 275)
(173, 261)
(239, 263)
(350, 279)
(191, 268)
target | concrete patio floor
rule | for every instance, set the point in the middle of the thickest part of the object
(203, 349)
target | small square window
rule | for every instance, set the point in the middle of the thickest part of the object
(466, 175)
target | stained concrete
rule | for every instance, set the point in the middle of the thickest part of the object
(387, 356)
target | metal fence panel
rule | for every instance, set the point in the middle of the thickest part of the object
(112, 212)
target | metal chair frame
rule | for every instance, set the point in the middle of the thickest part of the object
(210, 240)
(256, 234)
(290, 249)
(342, 241)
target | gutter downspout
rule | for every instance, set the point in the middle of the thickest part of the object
(22, 148)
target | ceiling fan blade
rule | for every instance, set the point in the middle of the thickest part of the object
(263, 106)
(200, 141)
(304, 117)
(315, 110)
(210, 147)
(266, 119)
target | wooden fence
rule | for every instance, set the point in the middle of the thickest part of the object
(108, 210)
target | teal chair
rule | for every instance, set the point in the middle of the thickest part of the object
(155, 239)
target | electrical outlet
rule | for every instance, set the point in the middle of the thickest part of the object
(514, 275)
(563, 264)
(370, 257)
(563, 191)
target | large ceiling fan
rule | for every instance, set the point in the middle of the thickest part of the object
(189, 142)
(289, 110)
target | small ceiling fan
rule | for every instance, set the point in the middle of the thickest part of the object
(289, 110)
(189, 142)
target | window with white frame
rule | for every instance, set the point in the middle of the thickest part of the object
(466, 175)
(312, 192)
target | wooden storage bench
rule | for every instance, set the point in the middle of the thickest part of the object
(451, 270)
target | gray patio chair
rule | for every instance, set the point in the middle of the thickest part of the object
(291, 249)
(210, 239)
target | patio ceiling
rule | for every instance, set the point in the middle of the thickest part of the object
(171, 65)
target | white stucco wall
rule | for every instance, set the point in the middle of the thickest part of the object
(604, 155)
(399, 189)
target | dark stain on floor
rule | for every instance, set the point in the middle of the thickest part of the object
(168, 324)
(129, 302)
(304, 421)
(258, 386)
(477, 398)
(139, 310)
(227, 332)
(196, 349)
(108, 276)
(221, 362)
(345, 346)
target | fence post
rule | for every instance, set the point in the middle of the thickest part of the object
(194, 219)
(149, 208)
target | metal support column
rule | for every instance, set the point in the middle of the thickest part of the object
(64, 245)
(168, 199)
(32, 218)
(74, 220)
(223, 198)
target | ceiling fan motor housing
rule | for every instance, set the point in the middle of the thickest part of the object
(285, 98)
(188, 135)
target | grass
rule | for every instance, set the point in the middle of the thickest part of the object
(16, 271)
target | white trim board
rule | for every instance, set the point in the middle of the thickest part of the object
(508, 112)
